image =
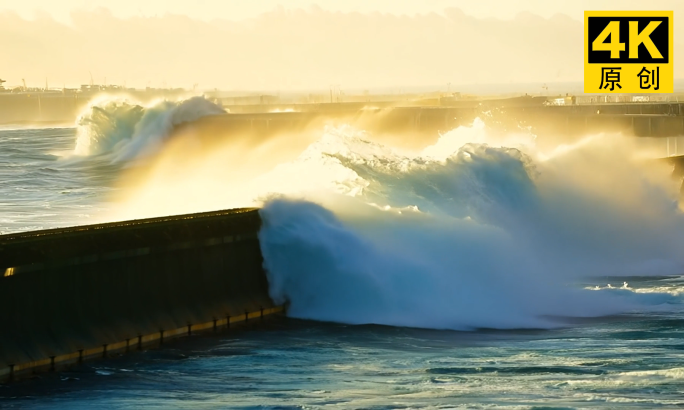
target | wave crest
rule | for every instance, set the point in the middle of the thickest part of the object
(478, 235)
(125, 130)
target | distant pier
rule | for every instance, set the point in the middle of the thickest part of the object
(573, 117)
(637, 119)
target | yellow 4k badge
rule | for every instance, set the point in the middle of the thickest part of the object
(628, 52)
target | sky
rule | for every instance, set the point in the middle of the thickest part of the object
(241, 9)
(299, 44)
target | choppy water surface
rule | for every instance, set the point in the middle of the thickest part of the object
(453, 244)
(619, 362)
(40, 188)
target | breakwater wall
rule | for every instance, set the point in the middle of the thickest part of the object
(641, 120)
(70, 294)
(647, 119)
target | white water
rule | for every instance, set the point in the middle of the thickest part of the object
(477, 230)
(124, 130)
(467, 235)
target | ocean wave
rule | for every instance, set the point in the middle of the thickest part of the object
(479, 230)
(124, 130)
(483, 236)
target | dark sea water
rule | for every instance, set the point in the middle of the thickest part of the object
(630, 359)
(40, 189)
(618, 362)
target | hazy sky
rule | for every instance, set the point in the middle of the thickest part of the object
(240, 9)
(295, 44)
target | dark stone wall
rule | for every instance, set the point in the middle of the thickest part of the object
(66, 290)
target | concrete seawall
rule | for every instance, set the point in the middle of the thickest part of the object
(656, 119)
(424, 124)
(74, 293)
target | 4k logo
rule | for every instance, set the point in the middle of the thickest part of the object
(628, 51)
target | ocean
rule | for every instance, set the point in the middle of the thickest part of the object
(481, 271)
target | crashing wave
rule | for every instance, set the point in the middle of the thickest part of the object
(475, 231)
(495, 236)
(125, 130)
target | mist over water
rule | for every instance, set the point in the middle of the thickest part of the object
(479, 229)
(484, 236)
